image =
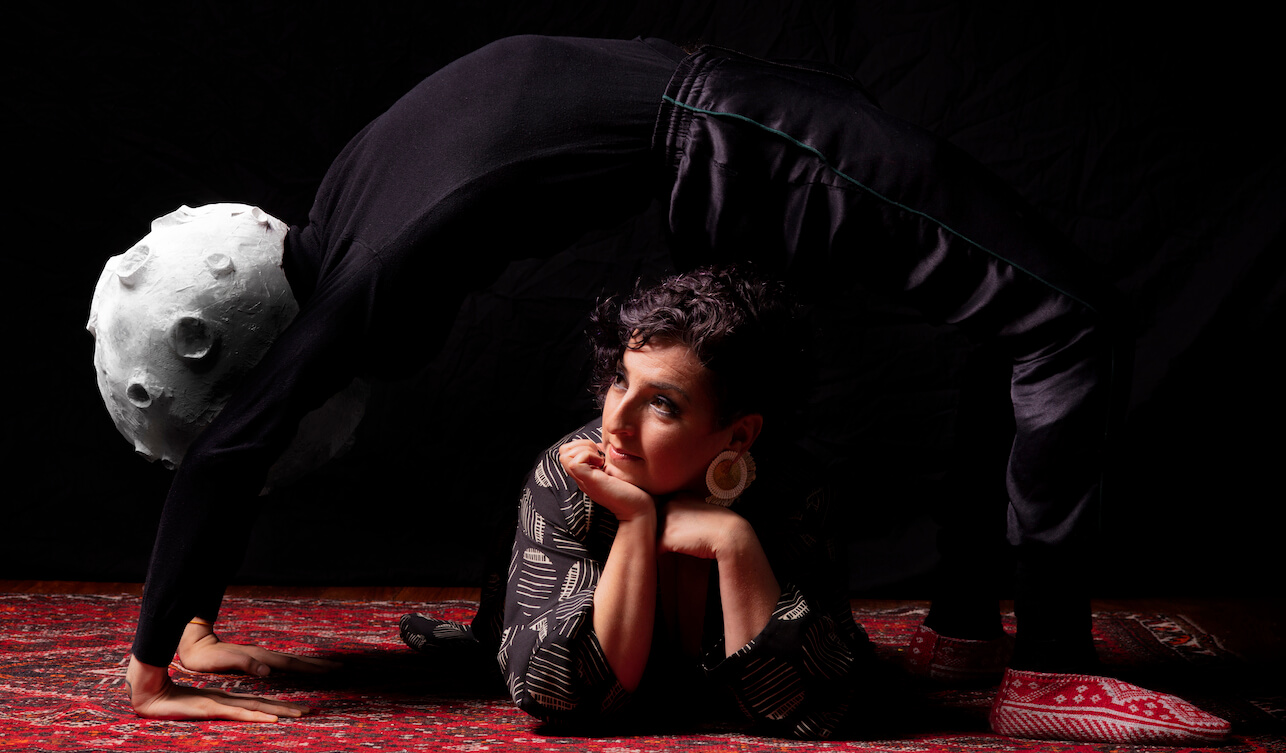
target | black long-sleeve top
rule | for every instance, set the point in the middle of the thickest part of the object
(513, 151)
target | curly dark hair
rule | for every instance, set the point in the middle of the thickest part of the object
(743, 327)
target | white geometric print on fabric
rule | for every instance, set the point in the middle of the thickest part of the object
(576, 509)
(515, 684)
(614, 698)
(582, 577)
(506, 640)
(819, 726)
(540, 476)
(825, 654)
(536, 580)
(569, 582)
(532, 523)
(595, 672)
(569, 613)
(549, 470)
(1086, 708)
(794, 609)
(448, 631)
(513, 564)
(563, 541)
(549, 677)
(430, 635)
(772, 688)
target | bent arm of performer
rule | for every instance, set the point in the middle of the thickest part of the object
(206, 522)
(581, 595)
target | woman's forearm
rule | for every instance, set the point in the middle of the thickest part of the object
(748, 589)
(625, 599)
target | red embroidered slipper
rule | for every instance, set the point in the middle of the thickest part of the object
(957, 661)
(1085, 708)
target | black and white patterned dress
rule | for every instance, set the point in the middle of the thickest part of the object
(794, 678)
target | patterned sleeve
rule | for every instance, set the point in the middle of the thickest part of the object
(552, 661)
(795, 677)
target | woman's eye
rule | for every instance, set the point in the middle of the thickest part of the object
(665, 406)
(619, 380)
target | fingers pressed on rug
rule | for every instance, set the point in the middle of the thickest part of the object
(1087, 708)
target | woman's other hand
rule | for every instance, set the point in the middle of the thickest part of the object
(155, 696)
(200, 650)
(699, 529)
(584, 462)
(748, 589)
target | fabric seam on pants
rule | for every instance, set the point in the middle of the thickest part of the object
(818, 154)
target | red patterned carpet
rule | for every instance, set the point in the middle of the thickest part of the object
(62, 665)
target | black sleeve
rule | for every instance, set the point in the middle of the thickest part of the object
(214, 499)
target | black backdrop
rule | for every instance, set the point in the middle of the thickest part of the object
(1152, 140)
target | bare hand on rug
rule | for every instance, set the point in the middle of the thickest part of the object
(202, 651)
(155, 696)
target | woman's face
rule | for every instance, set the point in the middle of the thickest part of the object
(659, 427)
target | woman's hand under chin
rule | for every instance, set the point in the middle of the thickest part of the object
(625, 598)
(584, 462)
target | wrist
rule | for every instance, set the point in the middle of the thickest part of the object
(144, 680)
(194, 632)
(736, 541)
(643, 516)
(744, 568)
(749, 589)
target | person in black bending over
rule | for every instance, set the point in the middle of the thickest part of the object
(527, 143)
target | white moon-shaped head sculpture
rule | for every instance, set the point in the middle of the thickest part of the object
(181, 316)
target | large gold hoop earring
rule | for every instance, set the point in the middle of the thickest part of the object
(726, 480)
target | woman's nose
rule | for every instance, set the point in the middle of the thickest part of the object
(616, 415)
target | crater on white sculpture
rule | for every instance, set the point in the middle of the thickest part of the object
(179, 319)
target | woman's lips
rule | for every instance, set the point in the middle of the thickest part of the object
(617, 456)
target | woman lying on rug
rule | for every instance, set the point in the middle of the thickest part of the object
(652, 550)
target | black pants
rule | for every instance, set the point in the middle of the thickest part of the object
(799, 170)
